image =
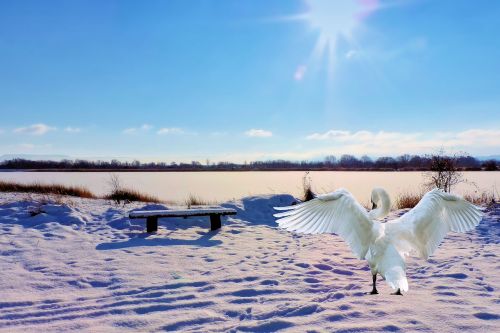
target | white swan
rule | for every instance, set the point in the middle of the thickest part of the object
(383, 245)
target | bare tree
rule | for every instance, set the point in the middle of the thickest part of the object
(444, 172)
(366, 161)
(116, 188)
(114, 182)
(308, 194)
(490, 165)
(330, 160)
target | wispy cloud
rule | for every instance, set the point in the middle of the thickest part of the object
(362, 136)
(351, 54)
(35, 129)
(258, 133)
(26, 146)
(300, 72)
(368, 142)
(31, 146)
(134, 130)
(70, 129)
(170, 130)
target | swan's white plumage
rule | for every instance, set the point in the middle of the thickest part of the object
(337, 212)
(424, 227)
(384, 245)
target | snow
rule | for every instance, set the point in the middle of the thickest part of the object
(83, 265)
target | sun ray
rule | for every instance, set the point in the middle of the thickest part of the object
(333, 21)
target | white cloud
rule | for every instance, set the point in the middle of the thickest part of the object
(258, 133)
(134, 130)
(300, 72)
(367, 142)
(351, 54)
(70, 129)
(169, 130)
(362, 136)
(36, 129)
(26, 146)
(130, 130)
(30, 147)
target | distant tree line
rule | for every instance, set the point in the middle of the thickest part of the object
(345, 162)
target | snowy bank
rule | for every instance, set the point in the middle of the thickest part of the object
(82, 265)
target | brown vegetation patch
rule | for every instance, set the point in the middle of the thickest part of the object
(128, 195)
(193, 200)
(407, 200)
(75, 191)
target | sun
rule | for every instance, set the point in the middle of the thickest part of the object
(334, 20)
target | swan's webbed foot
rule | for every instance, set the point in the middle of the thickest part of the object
(374, 292)
(398, 292)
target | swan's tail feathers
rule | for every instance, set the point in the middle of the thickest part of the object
(396, 278)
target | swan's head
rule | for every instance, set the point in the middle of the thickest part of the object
(381, 203)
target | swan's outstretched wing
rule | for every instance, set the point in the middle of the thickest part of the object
(337, 212)
(423, 228)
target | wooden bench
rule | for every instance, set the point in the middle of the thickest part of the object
(152, 216)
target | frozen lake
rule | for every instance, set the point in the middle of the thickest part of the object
(223, 186)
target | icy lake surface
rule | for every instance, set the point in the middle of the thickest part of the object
(222, 186)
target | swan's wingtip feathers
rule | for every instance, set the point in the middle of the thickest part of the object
(336, 212)
(284, 207)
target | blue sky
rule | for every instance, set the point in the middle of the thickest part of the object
(246, 80)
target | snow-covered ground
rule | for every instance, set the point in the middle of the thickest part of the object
(84, 266)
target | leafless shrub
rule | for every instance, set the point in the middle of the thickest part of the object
(118, 193)
(193, 200)
(307, 193)
(128, 195)
(444, 173)
(114, 182)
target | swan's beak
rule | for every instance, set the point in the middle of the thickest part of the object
(374, 205)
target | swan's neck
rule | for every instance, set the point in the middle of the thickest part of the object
(383, 206)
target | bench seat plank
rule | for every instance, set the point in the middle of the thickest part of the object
(181, 213)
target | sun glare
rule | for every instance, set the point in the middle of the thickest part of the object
(335, 20)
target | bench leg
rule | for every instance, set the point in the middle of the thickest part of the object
(152, 224)
(215, 222)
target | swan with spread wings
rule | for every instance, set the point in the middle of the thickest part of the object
(383, 245)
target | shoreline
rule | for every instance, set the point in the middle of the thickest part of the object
(231, 170)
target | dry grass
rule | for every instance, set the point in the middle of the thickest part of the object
(193, 200)
(410, 200)
(75, 191)
(407, 200)
(483, 198)
(120, 193)
(127, 195)
(56, 191)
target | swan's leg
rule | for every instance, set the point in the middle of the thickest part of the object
(374, 290)
(398, 292)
